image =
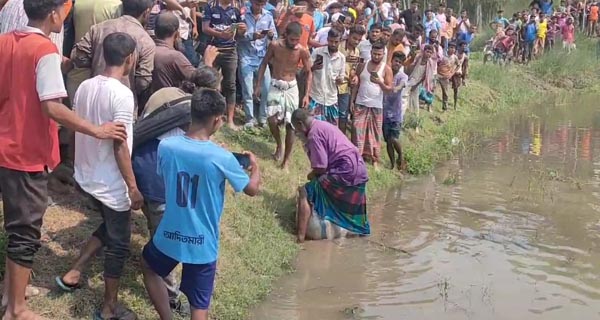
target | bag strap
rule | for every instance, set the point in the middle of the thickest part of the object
(168, 105)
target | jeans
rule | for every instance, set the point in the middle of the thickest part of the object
(343, 106)
(248, 75)
(115, 235)
(154, 212)
(189, 51)
(226, 62)
(25, 198)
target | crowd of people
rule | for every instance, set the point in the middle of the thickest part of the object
(150, 82)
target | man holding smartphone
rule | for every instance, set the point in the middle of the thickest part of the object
(224, 22)
(252, 48)
(329, 69)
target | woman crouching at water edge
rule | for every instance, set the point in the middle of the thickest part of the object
(333, 203)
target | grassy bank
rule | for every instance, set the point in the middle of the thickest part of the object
(256, 241)
(494, 91)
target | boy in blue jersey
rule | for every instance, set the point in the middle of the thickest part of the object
(194, 170)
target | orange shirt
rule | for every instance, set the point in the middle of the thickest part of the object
(390, 52)
(594, 12)
(308, 26)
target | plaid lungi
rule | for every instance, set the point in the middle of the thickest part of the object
(345, 206)
(322, 112)
(367, 131)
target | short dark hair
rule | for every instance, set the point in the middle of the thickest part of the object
(207, 103)
(300, 115)
(452, 44)
(399, 55)
(378, 45)
(136, 8)
(358, 29)
(333, 33)
(335, 5)
(166, 25)
(386, 29)
(117, 47)
(293, 29)
(203, 77)
(38, 10)
(376, 26)
(399, 32)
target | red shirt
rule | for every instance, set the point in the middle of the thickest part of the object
(28, 137)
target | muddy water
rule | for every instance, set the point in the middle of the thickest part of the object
(513, 233)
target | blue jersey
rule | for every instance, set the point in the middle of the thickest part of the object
(194, 173)
(221, 19)
(530, 32)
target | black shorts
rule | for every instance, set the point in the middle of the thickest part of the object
(391, 130)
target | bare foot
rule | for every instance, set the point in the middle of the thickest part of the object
(232, 126)
(277, 155)
(23, 315)
(376, 166)
(285, 167)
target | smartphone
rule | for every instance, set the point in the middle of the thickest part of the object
(243, 159)
(374, 74)
(264, 32)
(319, 59)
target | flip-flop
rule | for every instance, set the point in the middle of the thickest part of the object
(66, 287)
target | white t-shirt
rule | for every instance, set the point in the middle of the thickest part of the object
(100, 100)
(386, 11)
(323, 34)
(365, 46)
(324, 89)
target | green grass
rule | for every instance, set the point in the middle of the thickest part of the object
(257, 245)
(493, 92)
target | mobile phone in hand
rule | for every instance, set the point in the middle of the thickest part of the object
(319, 60)
(243, 160)
(374, 74)
(264, 32)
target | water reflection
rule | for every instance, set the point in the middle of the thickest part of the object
(511, 234)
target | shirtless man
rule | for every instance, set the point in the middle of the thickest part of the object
(285, 56)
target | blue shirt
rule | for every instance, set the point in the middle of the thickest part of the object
(392, 102)
(194, 174)
(503, 21)
(269, 7)
(143, 161)
(252, 52)
(546, 7)
(530, 32)
(466, 37)
(319, 18)
(432, 25)
(221, 19)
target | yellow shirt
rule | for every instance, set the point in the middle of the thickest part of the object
(351, 63)
(542, 29)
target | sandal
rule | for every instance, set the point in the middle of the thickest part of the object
(65, 286)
